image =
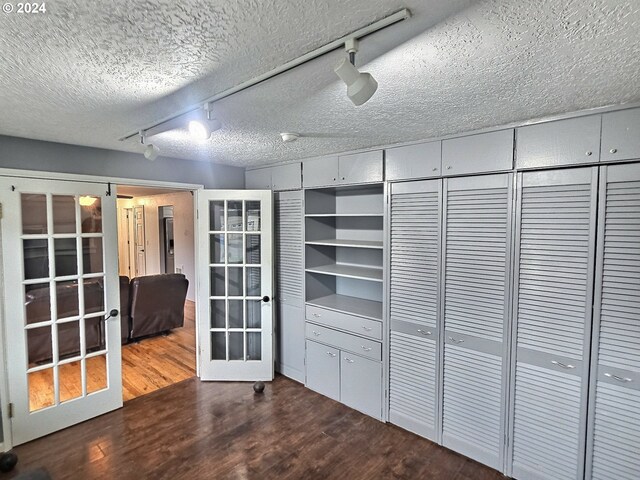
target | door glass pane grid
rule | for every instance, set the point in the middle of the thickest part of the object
(230, 223)
(63, 350)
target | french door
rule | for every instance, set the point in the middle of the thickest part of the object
(60, 280)
(235, 326)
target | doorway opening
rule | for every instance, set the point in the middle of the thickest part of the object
(156, 264)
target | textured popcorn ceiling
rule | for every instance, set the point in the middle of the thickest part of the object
(90, 71)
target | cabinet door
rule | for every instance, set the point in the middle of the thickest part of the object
(415, 306)
(486, 152)
(555, 244)
(360, 168)
(259, 179)
(477, 223)
(361, 384)
(320, 172)
(288, 247)
(290, 351)
(614, 419)
(621, 135)
(323, 369)
(413, 161)
(566, 142)
(286, 177)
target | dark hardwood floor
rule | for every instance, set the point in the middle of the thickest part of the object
(196, 430)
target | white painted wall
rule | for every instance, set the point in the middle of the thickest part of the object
(183, 231)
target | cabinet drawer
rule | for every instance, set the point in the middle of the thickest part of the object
(344, 321)
(565, 142)
(344, 341)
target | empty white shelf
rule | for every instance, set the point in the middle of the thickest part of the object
(334, 242)
(349, 271)
(353, 305)
(344, 215)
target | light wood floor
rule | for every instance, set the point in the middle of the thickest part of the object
(222, 430)
(147, 366)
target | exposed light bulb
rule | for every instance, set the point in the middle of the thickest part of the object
(86, 201)
(199, 130)
(151, 152)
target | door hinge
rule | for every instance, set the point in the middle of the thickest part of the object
(11, 410)
(0, 211)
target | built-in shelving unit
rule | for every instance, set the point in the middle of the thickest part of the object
(344, 249)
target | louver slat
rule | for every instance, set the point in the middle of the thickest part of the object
(614, 434)
(288, 240)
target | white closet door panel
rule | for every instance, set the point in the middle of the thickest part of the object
(289, 245)
(472, 404)
(616, 433)
(614, 420)
(546, 419)
(477, 221)
(555, 224)
(412, 383)
(415, 237)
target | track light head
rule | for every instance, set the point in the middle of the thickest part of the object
(201, 129)
(288, 137)
(360, 85)
(151, 152)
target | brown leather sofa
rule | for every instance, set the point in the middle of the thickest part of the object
(125, 307)
(157, 304)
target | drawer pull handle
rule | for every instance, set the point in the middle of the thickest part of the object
(456, 340)
(425, 332)
(613, 150)
(366, 349)
(366, 329)
(616, 377)
(331, 354)
(317, 334)
(317, 315)
(348, 360)
(563, 365)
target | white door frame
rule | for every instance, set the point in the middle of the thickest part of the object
(7, 442)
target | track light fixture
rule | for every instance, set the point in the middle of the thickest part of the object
(149, 150)
(288, 137)
(360, 85)
(203, 124)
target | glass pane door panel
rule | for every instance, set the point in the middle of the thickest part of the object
(37, 302)
(234, 216)
(217, 282)
(234, 248)
(41, 389)
(93, 295)
(216, 216)
(235, 282)
(68, 340)
(236, 319)
(236, 346)
(70, 375)
(67, 299)
(253, 282)
(254, 346)
(216, 247)
(94, 334)
(91, 214)
(253, 249)
(39, 346)
(253, 216)
(96, 373)
(218, 346)
(36, 258)
(66, 258)
(218, 313)
(254, 314)
(92, 255)
(64, 214)
(34, 213)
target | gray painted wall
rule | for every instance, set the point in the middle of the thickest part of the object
(28, 154)
(25, 154)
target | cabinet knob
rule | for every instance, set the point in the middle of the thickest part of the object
(342, 178)
(334, 179)
(366, 329)
(317, 334)
(448, 167)
(424, 332)
(348, 359)
(435, 169)
(317, 315)
(589, 153)
(456, 340)
(613, 150)
(366, 349)
(331, 354)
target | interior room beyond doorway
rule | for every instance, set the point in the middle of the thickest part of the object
(156, 263)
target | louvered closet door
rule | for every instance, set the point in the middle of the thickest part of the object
(614, 420)
(414, 306)
(555, 243)
(289, 269)
(477, 243)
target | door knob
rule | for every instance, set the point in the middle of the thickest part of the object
(112, 313)
(266, 299)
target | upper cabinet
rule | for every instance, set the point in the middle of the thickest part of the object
(621, 135)
(281, 177)
(343, 170)
(414, 161)
(485, 152)
(565, 142)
